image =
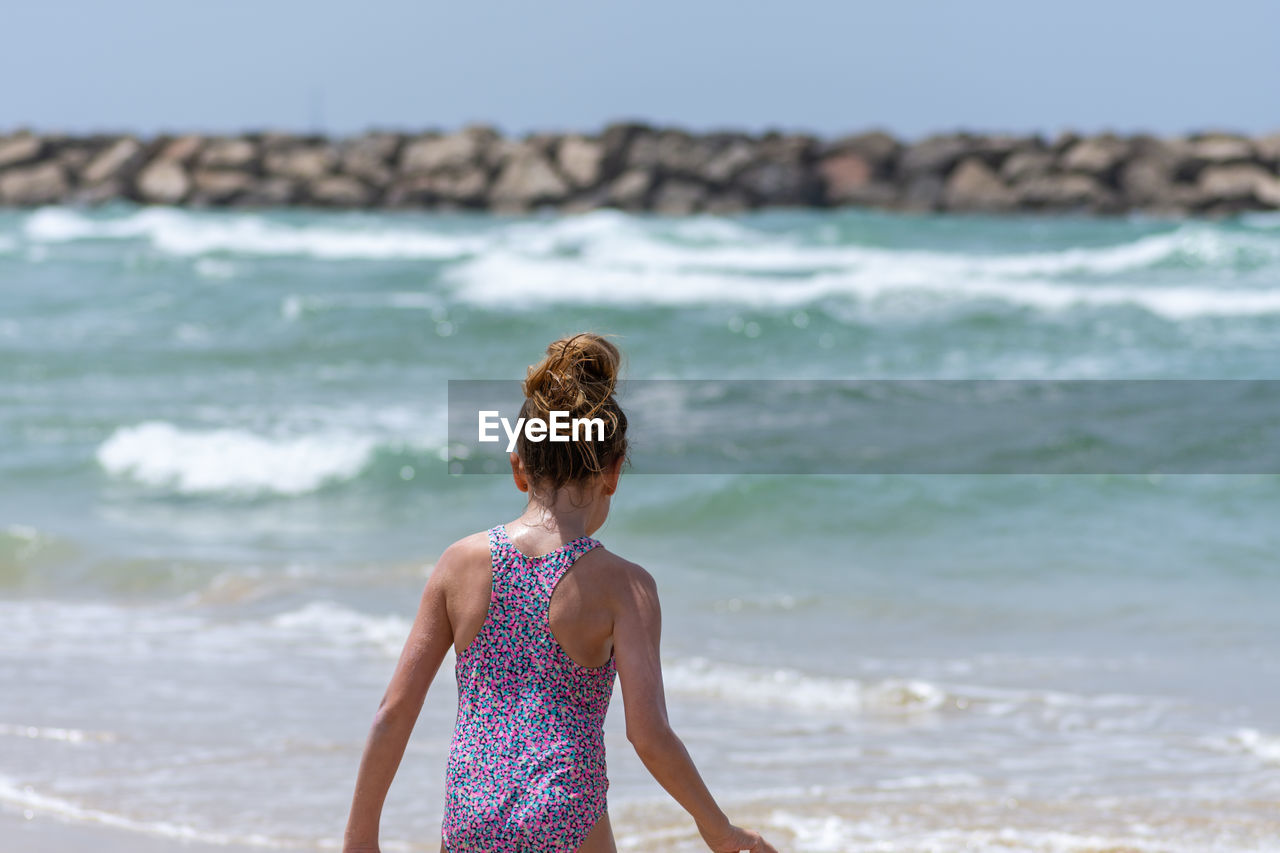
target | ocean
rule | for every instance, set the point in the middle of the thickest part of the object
(224, 477)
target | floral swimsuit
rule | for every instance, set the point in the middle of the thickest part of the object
(526, 771)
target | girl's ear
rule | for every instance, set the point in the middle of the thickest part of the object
(518, 474)
(612, 474)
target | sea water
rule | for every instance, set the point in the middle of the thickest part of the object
(223, 480)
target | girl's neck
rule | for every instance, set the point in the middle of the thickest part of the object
(568, 517)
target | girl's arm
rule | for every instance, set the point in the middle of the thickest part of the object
(424, 650)
(636, 635)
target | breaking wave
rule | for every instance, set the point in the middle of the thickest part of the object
(608, 257)
(232, 461)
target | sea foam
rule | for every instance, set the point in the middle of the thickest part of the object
(1251, 742)
(344, 627)
(31, 802)
(612, 258)
(798, 691)
(182, 233)
(232, 461)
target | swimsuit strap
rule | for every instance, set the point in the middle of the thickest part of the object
(548, 567)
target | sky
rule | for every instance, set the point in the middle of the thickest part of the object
(825, 66)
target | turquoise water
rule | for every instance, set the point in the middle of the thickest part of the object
(223, 479)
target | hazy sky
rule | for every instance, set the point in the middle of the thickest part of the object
(821, 65)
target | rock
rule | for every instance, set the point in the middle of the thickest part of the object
(1239, 182)
(727, 163)
(973, 186)
(1099, 157)
(163, 182)
(616, 141)
(339, 191)
(580, 161)
(74, 157)
(1268, 193)
(780, 183)
(270, 192)
(843, 175)
(935, 155)
(1023, 165)
(798, 149)
(995, 150)
(678, 197)
(1221, 149)
(642, 153)
(181, 150)
(304, 164)
(494, 147)
(109, 190)
(220, 186)
(436, 153)
(19, 149)
(370, 157)
(1268, 148)
(639, 167)
(466, 188)
(25, 186)
(1062, 192)
(111, 163)
(1147, 181)
(411, 191)
(877, 149)
(1063, 142)
(527, 180)
(543, 144)
(682, 155)
(228, 154)
(725, 203)
(630, 190)
(923, 193)
(274, 140)
(874, 194)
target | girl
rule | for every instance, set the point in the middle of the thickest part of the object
(542, 617)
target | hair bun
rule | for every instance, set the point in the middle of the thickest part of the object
(578, 375)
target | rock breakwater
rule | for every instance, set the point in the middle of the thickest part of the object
(643, 168)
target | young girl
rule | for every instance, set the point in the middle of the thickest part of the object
(542, 617)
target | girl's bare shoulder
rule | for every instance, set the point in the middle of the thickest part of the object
(463, 560)
(620, 575)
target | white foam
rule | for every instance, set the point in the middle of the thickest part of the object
(215, 269)
(345, 627)
(185, 630)
(183, 233)
(612, 258)
(1252, 742)
(22, 542)
(55, 733)
(798, 691)
(932, 780)
(621, 265)
(884, 834)
(232, 461)
(31, 802)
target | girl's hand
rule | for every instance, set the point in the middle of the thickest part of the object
(734, 839)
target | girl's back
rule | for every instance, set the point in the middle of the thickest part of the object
(526, 767)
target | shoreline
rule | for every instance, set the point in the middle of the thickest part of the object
(49, 833)
(638, 167)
